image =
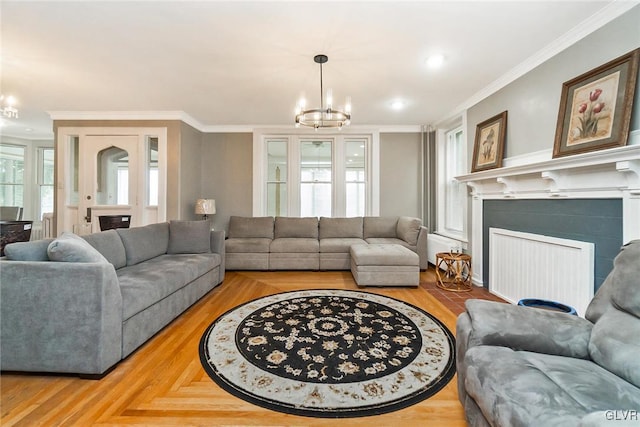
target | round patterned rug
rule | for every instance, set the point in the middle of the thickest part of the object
(329, 353)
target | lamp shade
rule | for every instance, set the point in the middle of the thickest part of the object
(205, 206)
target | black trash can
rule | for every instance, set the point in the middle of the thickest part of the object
(14, 231)
(547, 305)
(109, 222)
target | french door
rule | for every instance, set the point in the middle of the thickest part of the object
(106, 171)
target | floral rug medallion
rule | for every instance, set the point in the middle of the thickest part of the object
(329, 353)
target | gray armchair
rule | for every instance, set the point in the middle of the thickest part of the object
(521, 366)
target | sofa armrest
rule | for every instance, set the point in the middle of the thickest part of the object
(218, 247)
(60, 317)
(528, 329)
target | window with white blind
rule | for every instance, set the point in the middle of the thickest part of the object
(452, 195)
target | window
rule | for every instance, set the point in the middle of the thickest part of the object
(152, 171)
(113, 177)
(355, 177)
(74, 165)
(316, 173)
(314, 176)
(452, 195)
(12, 159)
(277, 177)
(45, 180)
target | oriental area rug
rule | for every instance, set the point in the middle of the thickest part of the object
(329, 353)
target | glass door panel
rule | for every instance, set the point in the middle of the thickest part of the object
(316, 178)
(277, 202)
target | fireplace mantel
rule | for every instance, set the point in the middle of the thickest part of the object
(606, 173)
(612, 173)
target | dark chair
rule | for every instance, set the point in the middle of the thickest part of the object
(110, 222)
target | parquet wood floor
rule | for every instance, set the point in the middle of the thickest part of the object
(163, 383)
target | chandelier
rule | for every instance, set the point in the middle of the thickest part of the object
(325, 116)
(7, 106)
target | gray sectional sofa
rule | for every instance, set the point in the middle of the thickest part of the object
(287, 243)
(522, 366)
(80, 305)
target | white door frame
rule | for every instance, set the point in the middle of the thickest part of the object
(67, 213)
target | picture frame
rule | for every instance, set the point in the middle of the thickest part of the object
(595, 107)
(488, 148)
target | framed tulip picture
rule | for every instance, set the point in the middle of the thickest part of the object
(595, 108)
(488, 148)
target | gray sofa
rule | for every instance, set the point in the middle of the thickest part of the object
(80, 305)
(287, 243)
(521, 366)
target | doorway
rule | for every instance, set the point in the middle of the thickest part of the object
(110, 171)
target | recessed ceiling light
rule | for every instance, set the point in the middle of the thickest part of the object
(435, 61)
(397, 105)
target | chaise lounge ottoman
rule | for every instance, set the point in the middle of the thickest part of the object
(384, 265)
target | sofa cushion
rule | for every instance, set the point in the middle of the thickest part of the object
(524, 388)
(408, 229)
(380, 226)
(109, 244)
(389, 241)
(144, 284)
(247, 245)
(294, 245)
(618, 287)
(296, 227)
(340, 228)
(245, 227)
(189, 237)
(28, 251)
(387, 255)
(339, 245)
(625, 294)
(615, 339)
(615, 344)
(143, 243)
(508, 325)
(71, 248)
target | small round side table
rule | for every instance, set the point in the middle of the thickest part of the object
(453, 271)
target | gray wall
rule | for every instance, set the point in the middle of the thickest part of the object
(533, 100)
(400, 174)
(190, 166)
(226, 175)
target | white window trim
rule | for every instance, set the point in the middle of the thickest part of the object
(293, 136)
(459, 121)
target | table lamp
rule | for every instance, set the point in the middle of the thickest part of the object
(205, 207)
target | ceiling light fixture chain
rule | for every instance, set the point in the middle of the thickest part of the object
(325, 116)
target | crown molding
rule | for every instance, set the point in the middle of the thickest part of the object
(126, 115)
(605, 15)
(186, 118)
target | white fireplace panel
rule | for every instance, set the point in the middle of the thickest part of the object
(526, 265)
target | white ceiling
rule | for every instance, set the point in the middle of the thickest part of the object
(242, 64)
